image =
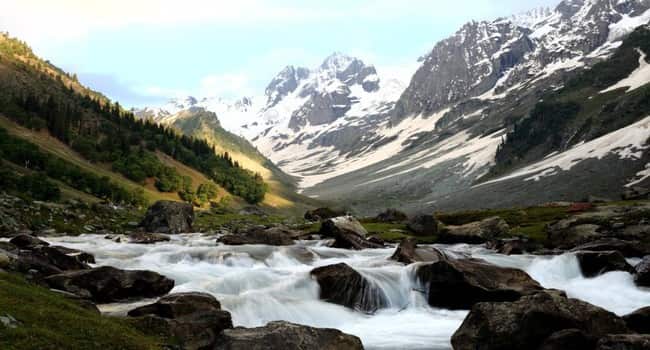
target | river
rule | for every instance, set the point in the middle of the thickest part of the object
(258, 284)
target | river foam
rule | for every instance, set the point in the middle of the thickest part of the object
(258, 284)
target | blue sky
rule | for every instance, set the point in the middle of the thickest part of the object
(141, 52)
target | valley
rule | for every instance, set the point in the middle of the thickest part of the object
(492, 194)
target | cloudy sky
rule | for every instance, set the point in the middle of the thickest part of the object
(142, 52)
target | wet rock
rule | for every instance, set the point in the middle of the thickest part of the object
(341, 284)
(624, 342)
(475, 232)
(629, 249)
(459, 284)
(510, 246)
(285, 335)
(529, 321)
(320, 214)
(107, 284)
(573, 339)
(80, 256)
(639, 320)
(27, 241)
(392, 215)
(169, 217)
(593, 264)
(48, 261)
(423, 225)
(569, 233)
(642, 272)
(408, 252)
(347, 233)
(84, 303)
(196, 319)
(276, 236)
(148, 238)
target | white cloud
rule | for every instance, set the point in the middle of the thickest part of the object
(43, 20)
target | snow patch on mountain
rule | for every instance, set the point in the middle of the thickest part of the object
(626, 143)
(638, 78)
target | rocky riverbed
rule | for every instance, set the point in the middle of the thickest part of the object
(258, 284)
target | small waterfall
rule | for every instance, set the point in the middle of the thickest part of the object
(258, 284)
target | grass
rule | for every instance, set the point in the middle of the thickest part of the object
(49, 321)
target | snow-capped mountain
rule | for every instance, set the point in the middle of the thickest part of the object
(352, 134)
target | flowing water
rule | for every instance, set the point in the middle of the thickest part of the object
(258, 284)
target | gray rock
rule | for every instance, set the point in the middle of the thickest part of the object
(108, 284)
(195, 319)
(148, 238)
(341, 284)
(639, 320)
(285, 335)
(475, 232)
(169, 217)
(597, 263)
(348, 233)
(459, 284)
(423, 225)
(624, 342)
(642, 272)
(529, 321)
(408, 252)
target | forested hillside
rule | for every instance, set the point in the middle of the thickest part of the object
(39, 96)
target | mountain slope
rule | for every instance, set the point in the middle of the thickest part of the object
(44, 99)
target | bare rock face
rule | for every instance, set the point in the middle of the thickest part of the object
(107, 284)
(348, 233)
(169, 217)
(195, 319)
(624, 342)
(341, 284)
(459, 284)
(597, 263)
(529, 321)
(285, 335)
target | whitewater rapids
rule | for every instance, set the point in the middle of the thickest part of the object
(259, 283)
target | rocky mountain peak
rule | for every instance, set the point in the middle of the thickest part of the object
(284, 83)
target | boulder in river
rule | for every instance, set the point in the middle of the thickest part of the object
(573, 339)
(510, 246)
(629, 249)
(529, 321)
(276, 236)
(459, 284)
(423, 225)
(169, 217)
(285, 335)
(46, 260)
(624, 342)
(148, 238)
(320, 214)
(408, 252)
(642, 272)
(107, 284)
(639, 320)
(348, 233)
(593, 264)
(27, 241)
(475, 232)
(341, 284)
(195, 319)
